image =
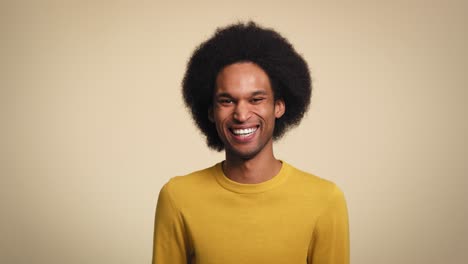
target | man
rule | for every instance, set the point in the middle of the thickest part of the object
(245, 87)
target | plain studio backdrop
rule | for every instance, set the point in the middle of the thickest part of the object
(93, 122)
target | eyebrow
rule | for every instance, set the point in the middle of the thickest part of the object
(223, 95)
(255, 93)
(259, 92)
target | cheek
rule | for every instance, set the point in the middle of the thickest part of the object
(220, 117)
(265, 113)
(219, 113)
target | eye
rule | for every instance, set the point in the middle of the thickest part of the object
(225, 101)
(257, 100)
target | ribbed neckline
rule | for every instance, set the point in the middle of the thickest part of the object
(237, 187)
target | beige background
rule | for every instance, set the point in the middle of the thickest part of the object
(93, 124)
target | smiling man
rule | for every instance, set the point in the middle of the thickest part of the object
(245, 86)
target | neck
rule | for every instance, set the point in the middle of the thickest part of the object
(262, 167)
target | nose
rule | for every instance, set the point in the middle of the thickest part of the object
(241, 112)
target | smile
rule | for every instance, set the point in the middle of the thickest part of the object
(244, 131)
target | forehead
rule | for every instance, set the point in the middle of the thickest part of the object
(242, 77)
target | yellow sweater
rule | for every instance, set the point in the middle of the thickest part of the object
(295, 217)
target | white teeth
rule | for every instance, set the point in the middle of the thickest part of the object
(245, 131)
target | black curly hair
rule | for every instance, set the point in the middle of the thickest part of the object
(287, 70)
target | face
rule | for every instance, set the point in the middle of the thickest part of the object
(244, 110)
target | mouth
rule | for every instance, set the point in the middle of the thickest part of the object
(244, 133)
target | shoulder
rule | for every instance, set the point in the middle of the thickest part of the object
(192, 179)
(312, 184)
(180, 187)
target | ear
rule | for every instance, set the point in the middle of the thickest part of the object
(280, 108)
(210, 114)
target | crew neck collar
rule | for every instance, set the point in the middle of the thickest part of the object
(237, 187)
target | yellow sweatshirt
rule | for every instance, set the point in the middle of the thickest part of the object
(295, 217)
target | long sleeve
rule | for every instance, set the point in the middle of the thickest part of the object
(170, 244)
(330, 241)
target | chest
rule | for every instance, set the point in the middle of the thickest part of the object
(251, 229)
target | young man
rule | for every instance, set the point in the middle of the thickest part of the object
(245, 87)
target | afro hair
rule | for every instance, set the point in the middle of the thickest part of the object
(287, 70)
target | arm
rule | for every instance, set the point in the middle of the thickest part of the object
(170, 239)
(330, 241)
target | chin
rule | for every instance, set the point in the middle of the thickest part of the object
(244, 154)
